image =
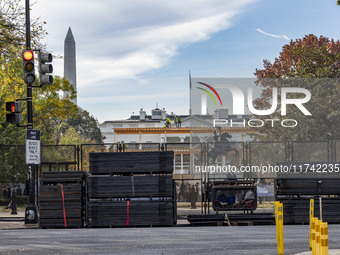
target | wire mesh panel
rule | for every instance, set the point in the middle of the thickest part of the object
(197, 156)
(228, 153)
(138, 147)
(265, 154)
(182, 157)
(86, 149)
(189, 191)
(13, 162)
(58, 157)
(336, 151)
(310, 151)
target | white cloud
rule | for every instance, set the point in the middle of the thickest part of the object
(108, 99)
(123, 39)
(272, 35)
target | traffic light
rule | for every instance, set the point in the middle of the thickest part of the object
(28, 58)
(14, 117)
(45, 69)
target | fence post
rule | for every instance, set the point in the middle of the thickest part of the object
(78, 158)
(320, 207)
(311, 216)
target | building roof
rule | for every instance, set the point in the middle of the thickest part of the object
(181, 130)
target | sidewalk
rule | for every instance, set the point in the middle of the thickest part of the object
(13, 221)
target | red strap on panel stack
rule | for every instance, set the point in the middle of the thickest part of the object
(128, 213)
(62, 195)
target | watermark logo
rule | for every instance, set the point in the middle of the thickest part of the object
(209, 93)
(239, 99)
(242, 97)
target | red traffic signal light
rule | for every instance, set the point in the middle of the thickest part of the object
(13, 106)
(28, 55)
(14, 117)
(28, 59)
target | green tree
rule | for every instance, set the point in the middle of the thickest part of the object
(53, 114)
(312, 63)
(12, 27)
(78, 128)
(86, 126)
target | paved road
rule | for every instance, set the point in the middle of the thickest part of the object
(161, 241)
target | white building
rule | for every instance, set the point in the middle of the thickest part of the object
(144, 128)
(143, 121)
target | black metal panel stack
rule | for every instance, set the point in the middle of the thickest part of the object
(131, 189)
(295, 194)
(156, 162)
(62, 199)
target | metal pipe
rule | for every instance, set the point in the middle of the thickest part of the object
(28, 24)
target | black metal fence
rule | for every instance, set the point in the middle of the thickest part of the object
(187, 155)
(53, 158)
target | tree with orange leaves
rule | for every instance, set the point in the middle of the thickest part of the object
(312, 63)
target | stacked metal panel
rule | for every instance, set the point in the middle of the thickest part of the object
(62, 199)
(131, 189)
(295, 194)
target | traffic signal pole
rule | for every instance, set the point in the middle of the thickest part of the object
(31, 212)
(28, 24)
(29, 86)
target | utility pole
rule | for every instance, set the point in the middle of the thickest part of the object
(31, 212)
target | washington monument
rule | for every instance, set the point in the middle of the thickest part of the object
(70, 71)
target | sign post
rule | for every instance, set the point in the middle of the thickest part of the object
(32, 159)
(32, 147)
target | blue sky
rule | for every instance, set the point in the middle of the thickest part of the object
(136, 53)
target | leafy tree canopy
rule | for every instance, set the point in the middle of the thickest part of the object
(58, 118)
(312, 63)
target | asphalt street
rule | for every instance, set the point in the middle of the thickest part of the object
(162, 241)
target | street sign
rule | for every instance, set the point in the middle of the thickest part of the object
(32, 147)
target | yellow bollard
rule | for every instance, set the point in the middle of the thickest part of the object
(324, 239)
(312, 236)
(317, 237)
(311, 216)
(279, 227)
